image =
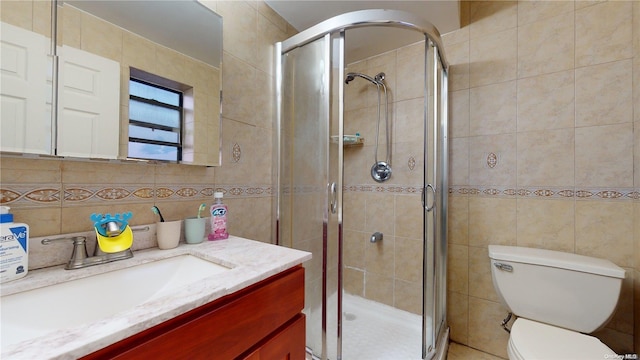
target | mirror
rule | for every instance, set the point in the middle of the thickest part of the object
(102, 44)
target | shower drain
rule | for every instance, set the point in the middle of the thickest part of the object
(349, 317)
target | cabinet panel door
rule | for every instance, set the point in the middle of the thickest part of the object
(26, 120)
(287, 344)
(89, 105)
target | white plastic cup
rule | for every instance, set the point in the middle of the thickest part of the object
(194, 229)
(168, 234)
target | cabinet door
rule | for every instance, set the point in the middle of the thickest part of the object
(286, 344)
(88, 105)
(26, 120)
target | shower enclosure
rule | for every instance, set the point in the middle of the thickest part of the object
(376, 286)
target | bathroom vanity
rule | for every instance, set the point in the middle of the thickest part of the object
(251, 309)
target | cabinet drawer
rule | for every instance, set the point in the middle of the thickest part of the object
(222, 329)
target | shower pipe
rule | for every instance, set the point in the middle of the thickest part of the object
(378, 81)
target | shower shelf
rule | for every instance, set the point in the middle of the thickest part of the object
(349, 140)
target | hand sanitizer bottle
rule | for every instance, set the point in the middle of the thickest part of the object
(218, 218)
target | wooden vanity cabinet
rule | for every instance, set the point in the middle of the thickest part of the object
(261, 322)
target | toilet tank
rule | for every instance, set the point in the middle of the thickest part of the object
(572, 291)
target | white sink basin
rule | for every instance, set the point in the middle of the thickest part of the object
(33, 313)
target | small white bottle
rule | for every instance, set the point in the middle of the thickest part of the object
(14, 247)
(218, 219)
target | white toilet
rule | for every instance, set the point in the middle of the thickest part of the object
(558, 298)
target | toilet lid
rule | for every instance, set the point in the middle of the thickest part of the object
(532, 340)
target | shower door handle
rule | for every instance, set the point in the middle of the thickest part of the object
(425, 197)
(333, 198)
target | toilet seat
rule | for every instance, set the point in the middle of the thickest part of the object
(532, 340)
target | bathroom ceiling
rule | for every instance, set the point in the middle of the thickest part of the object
(364, 42)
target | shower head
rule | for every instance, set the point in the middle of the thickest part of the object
(351, 76)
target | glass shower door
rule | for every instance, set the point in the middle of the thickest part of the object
(310, 184)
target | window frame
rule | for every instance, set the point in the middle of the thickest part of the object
(180, 108)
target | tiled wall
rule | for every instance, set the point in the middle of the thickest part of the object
(389, 271)
(57, 196)
(544, 101)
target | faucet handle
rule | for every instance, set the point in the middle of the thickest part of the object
(79, 253)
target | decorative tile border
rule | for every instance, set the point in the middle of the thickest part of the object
(56, 195)
(52, 195)
(628, 194)
(380, 188)
(31, 194)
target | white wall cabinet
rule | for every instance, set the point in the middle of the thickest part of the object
(88, 105)
(25, 100)
(88, 122)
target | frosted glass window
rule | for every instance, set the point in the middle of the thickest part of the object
(155, 122)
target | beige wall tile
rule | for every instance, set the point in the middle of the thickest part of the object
(493, 59)
(354, 243)
(379, 288)
(546, 224)
(604, 94)
(408, 121)
(71, 33)
(103, 172)
(636, 28)
(239, 29)
(101, 38)
(459, 161)
(636, 301)
(20, 170)
(636, 86)
(623, 317)
(458, 317)
(487, 18)
(408, 296)
(493, 109)
(546, 102)
(407, 163)
(239, 79)
(537, 55)
(138, 52)
(458, 220)
(492, 221)
(41, 221)
(546, 158)
(459, 113)
(458, 268)
(410, 61)
(42, 17)
(610, 165)
(458, 58)
(18, 13)
(485, 332)
(605, 230)
(408, 216)
(353, 281)
(607, 24)
(352, 211)
(378, 209)
(268, 34)
(250, 218)
(480, 280)
(408, 260)
(532, 11)
(272, 15)
(484, 172)
(380, 256)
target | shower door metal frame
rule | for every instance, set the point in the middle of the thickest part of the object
(329, 29)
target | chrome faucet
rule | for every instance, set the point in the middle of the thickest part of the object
(81, 259)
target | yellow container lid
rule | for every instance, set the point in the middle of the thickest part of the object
(117, 243)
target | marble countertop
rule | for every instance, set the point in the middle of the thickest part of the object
(250, 262)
